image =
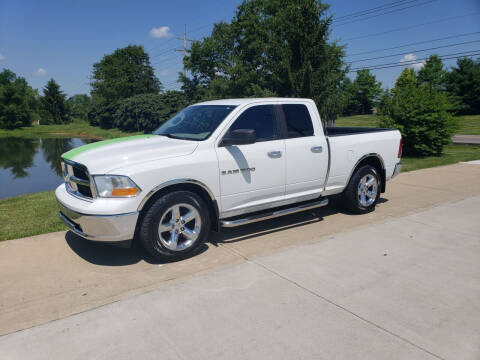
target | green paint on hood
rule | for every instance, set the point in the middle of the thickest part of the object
(69, 155)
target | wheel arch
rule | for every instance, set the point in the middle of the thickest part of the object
(374, 160)
(191, 185)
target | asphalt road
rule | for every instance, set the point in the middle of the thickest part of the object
(402, 282)
(466, 139)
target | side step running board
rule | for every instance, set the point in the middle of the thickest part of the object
(273, 214)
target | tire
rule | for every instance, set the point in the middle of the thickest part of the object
(363, 190)
(185, 219)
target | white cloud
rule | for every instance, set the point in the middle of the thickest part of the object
(2, 57)
(161, 32)
(419, 65)
(41, 72)
(163, 72)
(408, 57)
(411, 58)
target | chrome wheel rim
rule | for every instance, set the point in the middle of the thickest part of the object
(367, 190)
(179, 227)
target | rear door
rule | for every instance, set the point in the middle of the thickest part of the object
(306, 151)
(252, 176)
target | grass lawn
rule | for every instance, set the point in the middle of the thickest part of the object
(469, 125)
(358, 120)
(34, 214)
(78, 128)
(452, 154)
(28, 215)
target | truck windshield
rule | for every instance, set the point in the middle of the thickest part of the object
(196, 122)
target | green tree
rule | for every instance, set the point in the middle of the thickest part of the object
(368, 89)
(18, 101)
(125, 73)
(79, 105)
(54, 109)
(7, 77)
(350, 104)
(433, 74)
(146, 112)
(271, 47)
(362, 94)
(422, 115)
(385, 103)
(463, 84)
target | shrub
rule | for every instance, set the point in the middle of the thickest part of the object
(102, 114)
(422, 115)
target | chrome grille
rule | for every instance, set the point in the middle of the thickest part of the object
(77, 179)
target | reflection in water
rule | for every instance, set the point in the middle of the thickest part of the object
(32, 165)
(17, 154)
(53, 149)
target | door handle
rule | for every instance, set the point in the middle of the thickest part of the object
(275, 154)
(316, 149)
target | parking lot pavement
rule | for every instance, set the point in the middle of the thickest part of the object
(407, 287)
(52, 276)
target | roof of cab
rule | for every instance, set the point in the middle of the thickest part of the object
(244, 101)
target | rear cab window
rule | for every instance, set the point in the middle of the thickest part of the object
(297, 120)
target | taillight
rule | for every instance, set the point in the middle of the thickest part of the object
(400, 146)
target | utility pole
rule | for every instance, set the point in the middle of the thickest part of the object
(184, 50)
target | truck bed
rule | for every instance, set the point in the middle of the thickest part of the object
(352, 130)
(347, 146)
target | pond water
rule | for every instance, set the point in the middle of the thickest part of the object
(32, 165)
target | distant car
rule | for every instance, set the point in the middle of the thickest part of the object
(218, 164)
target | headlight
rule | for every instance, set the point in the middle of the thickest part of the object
(115, 186)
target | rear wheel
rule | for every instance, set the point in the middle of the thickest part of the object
(363, 190)
(175, 225)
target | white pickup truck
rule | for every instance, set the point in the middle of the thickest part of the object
(221, 163)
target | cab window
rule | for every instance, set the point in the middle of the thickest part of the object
(298, 120)
(260, 118)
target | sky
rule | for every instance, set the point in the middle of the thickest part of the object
(47, 39)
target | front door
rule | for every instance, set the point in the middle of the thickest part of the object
(253, 176)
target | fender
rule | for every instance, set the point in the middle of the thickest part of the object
(382, 164)
(174, 182)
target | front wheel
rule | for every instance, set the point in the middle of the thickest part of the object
(363, 190)
(175, 225)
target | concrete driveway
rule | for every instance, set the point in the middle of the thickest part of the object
(402, 282)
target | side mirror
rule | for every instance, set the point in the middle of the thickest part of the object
(239, 137)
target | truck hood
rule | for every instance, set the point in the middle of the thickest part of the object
(104, 156)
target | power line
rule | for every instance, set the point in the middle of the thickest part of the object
(166, 61)
(415, 51)
(374, 9)
(384, 13)
(353, 15)
(382, 7)
(411, 27)
(170, 59)
(415, 43)
(417, 61)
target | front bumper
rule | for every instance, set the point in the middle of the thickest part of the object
(396, 171)
(99, 227)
